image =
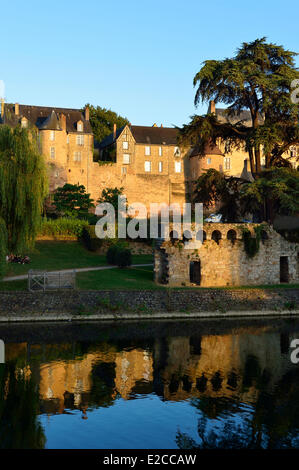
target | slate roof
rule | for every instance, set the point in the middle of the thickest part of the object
(41, 116)
(147, 135)
(210, 149)
(244, 116)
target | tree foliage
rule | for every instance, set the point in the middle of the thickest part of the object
(102, 121)
(213, 187)
(72, 200)
(257, 79)
(111, 196)
(23, 187)
(275, 191)
(279, 187)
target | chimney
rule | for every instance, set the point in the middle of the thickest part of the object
(17, 109)
(63, 121)
(114, 131)
(2, 107)
(212, 107)
(161, 125)
(87, 113)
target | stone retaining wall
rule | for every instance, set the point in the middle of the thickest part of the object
(166, 300)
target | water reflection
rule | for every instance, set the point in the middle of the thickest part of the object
(238, 382)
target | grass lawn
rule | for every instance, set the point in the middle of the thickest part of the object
(52, 256)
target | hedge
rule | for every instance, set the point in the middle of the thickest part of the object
(63, 226)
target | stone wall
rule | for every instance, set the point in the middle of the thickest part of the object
(75, 302)
(225, 262)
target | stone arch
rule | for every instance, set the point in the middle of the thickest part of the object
(216, 236)
(264, 236)
(174, 236)
(201, 233)
(187, 236)
(232, 236)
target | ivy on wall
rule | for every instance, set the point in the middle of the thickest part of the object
(252, 244)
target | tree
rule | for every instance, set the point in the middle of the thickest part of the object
(102, 121)
(276, 191)
(111, 196)
(23, 188)
(257, 79)
(72, 200)
(213, 187)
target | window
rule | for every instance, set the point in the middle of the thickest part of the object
(160, 167)
(209, 161)
(177, 151)
(293, 151)
(80, 139)
(126, 158)
(52, 135)
(80, 127)
(52, 152)
(160, 151)
(67, 139)
(147, 166)
(227, 147)
(227, 163)
(77, 156)
(125, 145)
(147, 150)
(24, 123)
(177, 167)
(123, 170)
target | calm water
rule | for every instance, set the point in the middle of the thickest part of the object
(212, 384)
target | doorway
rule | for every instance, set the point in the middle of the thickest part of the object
(284, 269)
(195, 272)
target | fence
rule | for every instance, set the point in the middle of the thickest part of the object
(43, 280)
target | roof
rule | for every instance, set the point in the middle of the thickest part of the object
(244, 116)
(51, 123)
(145, 135)
(155, 135)
(210, 149)
(45, 117)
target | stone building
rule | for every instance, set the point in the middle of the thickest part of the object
(230, 161)
(65, 139)
(147, 162)
(221, 259)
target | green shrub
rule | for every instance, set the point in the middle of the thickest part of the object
(111, 254)
(89, 238)
(123, 257)
(119, 253)
(63, 226)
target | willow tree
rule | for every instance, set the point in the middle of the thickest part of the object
(258, 79)
(23, 188)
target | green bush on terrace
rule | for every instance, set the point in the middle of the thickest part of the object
(63, 226)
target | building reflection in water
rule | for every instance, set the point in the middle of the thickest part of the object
(238, 367)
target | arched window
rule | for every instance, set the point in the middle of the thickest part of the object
(216, 236)
(201, 235)
(232, 236)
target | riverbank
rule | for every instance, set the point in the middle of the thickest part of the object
(147, 304)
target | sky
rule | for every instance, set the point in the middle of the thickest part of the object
(137, 58)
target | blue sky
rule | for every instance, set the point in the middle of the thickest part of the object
(136, 57)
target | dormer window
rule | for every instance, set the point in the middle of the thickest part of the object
(24, 123)
(80, 126)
